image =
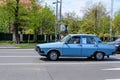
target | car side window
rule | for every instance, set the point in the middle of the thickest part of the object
(74, 40)
(88, 40)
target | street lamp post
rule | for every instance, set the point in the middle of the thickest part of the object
(60, 11)
(111, 17)
(58, 17)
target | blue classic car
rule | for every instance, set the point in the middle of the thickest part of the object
(76, 45)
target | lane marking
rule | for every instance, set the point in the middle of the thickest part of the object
(111, 69)
(22, 64)
(16, 49)
(18, 56)
(18, 53)
(59, 63)
(112, 79)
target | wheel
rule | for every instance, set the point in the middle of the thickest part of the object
(99, 56)
(53, 56)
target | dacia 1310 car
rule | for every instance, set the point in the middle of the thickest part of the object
(76, 45)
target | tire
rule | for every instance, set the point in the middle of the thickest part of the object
(53, 56)
(99, 56)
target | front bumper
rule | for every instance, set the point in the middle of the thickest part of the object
(41, 53)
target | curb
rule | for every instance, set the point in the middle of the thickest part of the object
(14, 48)
(9, 48)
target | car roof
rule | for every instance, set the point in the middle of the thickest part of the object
(82, 34)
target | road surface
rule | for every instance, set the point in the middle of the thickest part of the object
(26, 64)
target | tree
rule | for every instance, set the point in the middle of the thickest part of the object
(16, 16)
(116, 23)
(42, 20)
(12, 8)
(16, 23)
(72, 21)
(4, 20)
(47, 20)
(95, 20)
(34, 15)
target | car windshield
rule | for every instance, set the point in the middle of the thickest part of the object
(98, 39)
(118, 40)
(65, 38)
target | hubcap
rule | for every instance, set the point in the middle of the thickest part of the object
(53, 56)
(99, 56)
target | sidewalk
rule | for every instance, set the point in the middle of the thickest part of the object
(17, 46)
(7, 46)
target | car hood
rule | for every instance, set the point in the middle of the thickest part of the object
(51, 45)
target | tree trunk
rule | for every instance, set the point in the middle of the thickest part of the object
(16, 24)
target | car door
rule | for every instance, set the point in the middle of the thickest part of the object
(89, 46)
(72, 47)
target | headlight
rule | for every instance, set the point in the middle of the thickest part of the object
(116, 45)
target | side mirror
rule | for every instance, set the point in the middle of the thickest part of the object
(99, 41)
(66, 42)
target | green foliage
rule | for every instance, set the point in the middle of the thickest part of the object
(72, 21)
(35, 19)
(4, 19)
(96, 20)
(47, 20)
(116, 23)
(31, 16)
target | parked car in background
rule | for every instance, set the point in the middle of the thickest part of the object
(76, 45)
(116, 43)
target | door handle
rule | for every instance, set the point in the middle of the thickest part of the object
(95, 45)
(80, 44)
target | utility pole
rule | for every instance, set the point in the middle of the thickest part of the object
(56, 26)
(58, 18)
(111, 17)
(61, 11)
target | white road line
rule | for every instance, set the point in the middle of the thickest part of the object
(56, 63)
(18, 56)
(18, 64)
(111, 69)
(18, 48)
(112, 79)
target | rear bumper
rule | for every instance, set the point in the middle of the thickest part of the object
(117, 50)
(113, 53)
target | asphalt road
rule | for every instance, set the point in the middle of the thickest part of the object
(26, 64)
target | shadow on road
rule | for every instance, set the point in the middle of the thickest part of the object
(78, 59)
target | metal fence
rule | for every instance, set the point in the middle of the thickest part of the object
(5, 37)
(27, 37)
(40, 38)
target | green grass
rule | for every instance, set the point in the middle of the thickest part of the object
(7, 42)
(24, 46)
(21, 45)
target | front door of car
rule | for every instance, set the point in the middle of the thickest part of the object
(89, 46)
(72, 47)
